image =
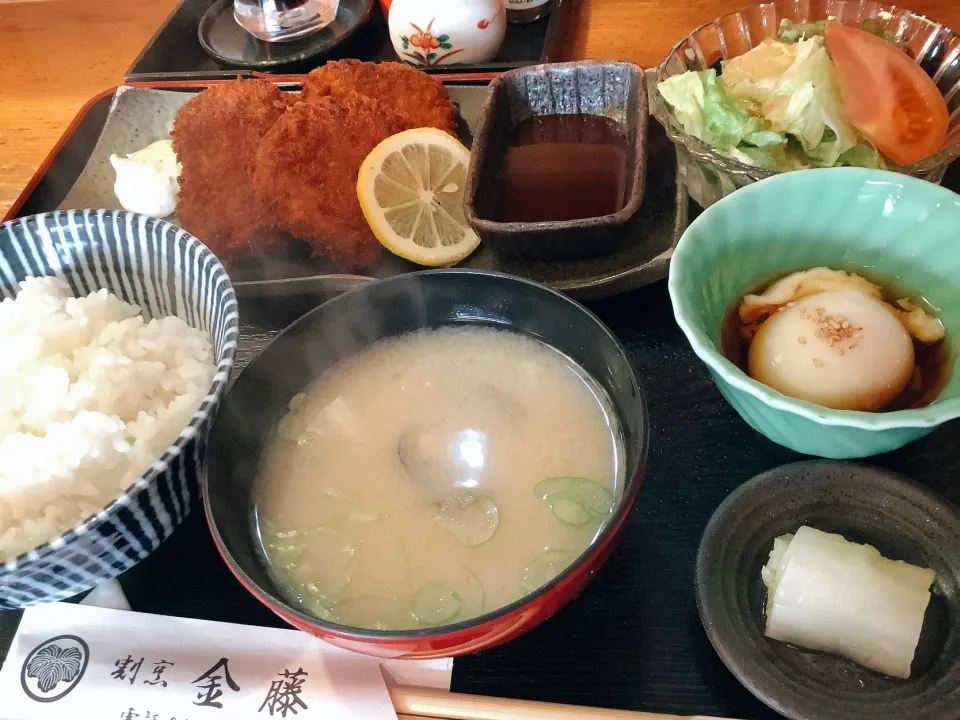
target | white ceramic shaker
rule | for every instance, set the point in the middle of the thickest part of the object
(446, 32)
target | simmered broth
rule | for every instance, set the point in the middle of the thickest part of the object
(436, 477)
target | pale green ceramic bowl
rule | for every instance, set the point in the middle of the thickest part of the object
(900, 229)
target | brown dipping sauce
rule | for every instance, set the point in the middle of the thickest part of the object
(933, 362)
(562, 167)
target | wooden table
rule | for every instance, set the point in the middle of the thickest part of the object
(57, 54)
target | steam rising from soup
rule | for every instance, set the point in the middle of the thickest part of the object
(436, 477)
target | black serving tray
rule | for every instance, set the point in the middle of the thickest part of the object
(632, 639)
(174, 52)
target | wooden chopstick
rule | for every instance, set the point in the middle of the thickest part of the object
(413, 703)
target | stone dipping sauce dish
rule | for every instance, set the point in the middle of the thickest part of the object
(894, 227)
(615, 90)
(346, 326)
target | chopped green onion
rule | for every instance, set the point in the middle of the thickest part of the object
(472, 518)
(575, 500)
(544, 568)
(434, 604)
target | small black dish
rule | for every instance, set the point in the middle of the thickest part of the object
(615, 90)
(903, 520)
(225, 41)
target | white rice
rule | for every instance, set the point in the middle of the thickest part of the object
(90, 396)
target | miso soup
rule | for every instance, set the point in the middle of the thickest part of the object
(436, 477)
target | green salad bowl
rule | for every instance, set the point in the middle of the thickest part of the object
(710, 174)
(896, 228)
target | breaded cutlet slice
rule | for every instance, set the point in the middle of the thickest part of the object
(417, 97)
(216, 136)
(307, 168)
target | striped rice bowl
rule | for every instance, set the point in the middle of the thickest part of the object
(118, 334)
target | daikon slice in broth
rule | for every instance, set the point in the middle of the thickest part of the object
(436, 477)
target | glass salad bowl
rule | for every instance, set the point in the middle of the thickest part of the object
(710, 174)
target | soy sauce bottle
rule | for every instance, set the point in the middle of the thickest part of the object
(524, 11)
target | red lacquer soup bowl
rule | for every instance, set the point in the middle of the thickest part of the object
(342, 328)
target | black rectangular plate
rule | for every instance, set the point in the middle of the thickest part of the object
(632, 639)
(642, 256)
(68, 158)
(174, 52)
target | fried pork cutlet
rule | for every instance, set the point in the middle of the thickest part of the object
(307, 167)
(418, 98)
(216, 135)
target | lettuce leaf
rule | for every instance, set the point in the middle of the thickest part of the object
(803, 101)
(791, 32)
(726, 120)
(684, 93)
(764, 139)
(751, 79)
(863, 154)
(702, 106)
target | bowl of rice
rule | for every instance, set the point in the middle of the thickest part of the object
(118, 333)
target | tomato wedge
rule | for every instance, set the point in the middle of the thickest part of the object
(887, 96)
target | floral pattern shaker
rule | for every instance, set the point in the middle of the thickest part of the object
(428, 33)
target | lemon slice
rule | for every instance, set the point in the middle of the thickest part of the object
(410, 189)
